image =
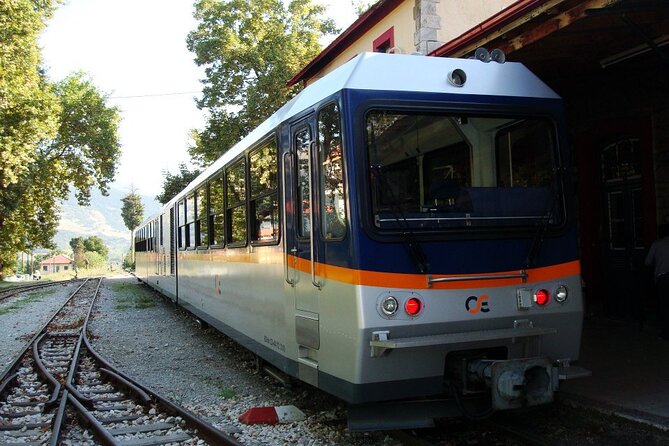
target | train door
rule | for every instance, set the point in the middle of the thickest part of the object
(301, 245)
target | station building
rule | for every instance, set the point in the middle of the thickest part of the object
(609, 60)
(56, 264)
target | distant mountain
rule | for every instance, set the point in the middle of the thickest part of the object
(101, 218)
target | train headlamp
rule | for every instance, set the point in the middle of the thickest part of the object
(561, 294)
(457, 77)
(389, 306)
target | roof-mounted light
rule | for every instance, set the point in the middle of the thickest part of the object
(457, 78)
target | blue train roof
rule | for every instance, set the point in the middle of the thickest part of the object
(395, 72)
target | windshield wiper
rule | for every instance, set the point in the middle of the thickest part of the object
(542, 225)
(414, 249)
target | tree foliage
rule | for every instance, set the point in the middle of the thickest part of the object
(132, 210)
(249, 49)
(78, 250)
(52, 135)
(175, 183)
(362, 6)
(82, 246)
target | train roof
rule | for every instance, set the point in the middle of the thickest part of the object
(395, 72)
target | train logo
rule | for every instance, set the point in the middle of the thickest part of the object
(474, 304)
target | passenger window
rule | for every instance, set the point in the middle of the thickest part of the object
(216, 212)
(236, 203)
(264, 195)
(330, 157)
(182, 224)
(190, 221)
(302, 144)
(201, 218)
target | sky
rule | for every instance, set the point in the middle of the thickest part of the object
(135, 51)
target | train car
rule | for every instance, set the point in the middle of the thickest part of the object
(401, 234)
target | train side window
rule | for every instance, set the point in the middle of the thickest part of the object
(201, 218)
(182, 224)
(216, 212)
(264, 195)
(330, 158)
(236, 203)
(190, 221)
(302, 145)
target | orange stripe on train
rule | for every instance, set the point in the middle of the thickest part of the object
(419, 281)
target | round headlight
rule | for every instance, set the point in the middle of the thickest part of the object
(389, 306)
(561, 293)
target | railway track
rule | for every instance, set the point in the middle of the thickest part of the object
(59, 389)
(13, 291)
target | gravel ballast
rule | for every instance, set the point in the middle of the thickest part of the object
(23, 315)
(164, 348)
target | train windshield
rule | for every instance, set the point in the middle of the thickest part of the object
(438, 171)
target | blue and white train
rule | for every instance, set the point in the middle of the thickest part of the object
(401, 234)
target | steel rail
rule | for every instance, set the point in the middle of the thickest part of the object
(8, 370)
(6, 293)
(10, 379)
(205, 430)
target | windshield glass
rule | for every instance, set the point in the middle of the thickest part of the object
(433, 171)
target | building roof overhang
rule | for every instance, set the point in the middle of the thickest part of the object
(566, 41)
(363, 24)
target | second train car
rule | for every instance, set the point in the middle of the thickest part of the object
(401, 234)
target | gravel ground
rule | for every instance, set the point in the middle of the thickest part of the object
(164, 348)
(21, 316)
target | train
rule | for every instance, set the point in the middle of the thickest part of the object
(402, 234)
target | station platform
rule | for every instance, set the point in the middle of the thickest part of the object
(630, 371)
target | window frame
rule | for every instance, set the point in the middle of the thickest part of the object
(201, 189)
(181, 214)
(244, 203)
(426, 106)
(190, 242)
(321, 191)
(304, 126)
(252, 199)
(217, 178)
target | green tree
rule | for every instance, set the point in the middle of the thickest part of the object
(27, 116)
(362, 6)
(93, 259)
(78, 250)
(249, 49)
(52, 136)
(173, 184)
(95, 244)
(132, 212)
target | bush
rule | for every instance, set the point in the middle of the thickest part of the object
(128, 264)
(95, 260)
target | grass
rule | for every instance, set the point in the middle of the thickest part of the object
(227, 393)
(17, 305)
(130, 296)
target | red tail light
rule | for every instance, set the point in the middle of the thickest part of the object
(413, 306)
(542, 297)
